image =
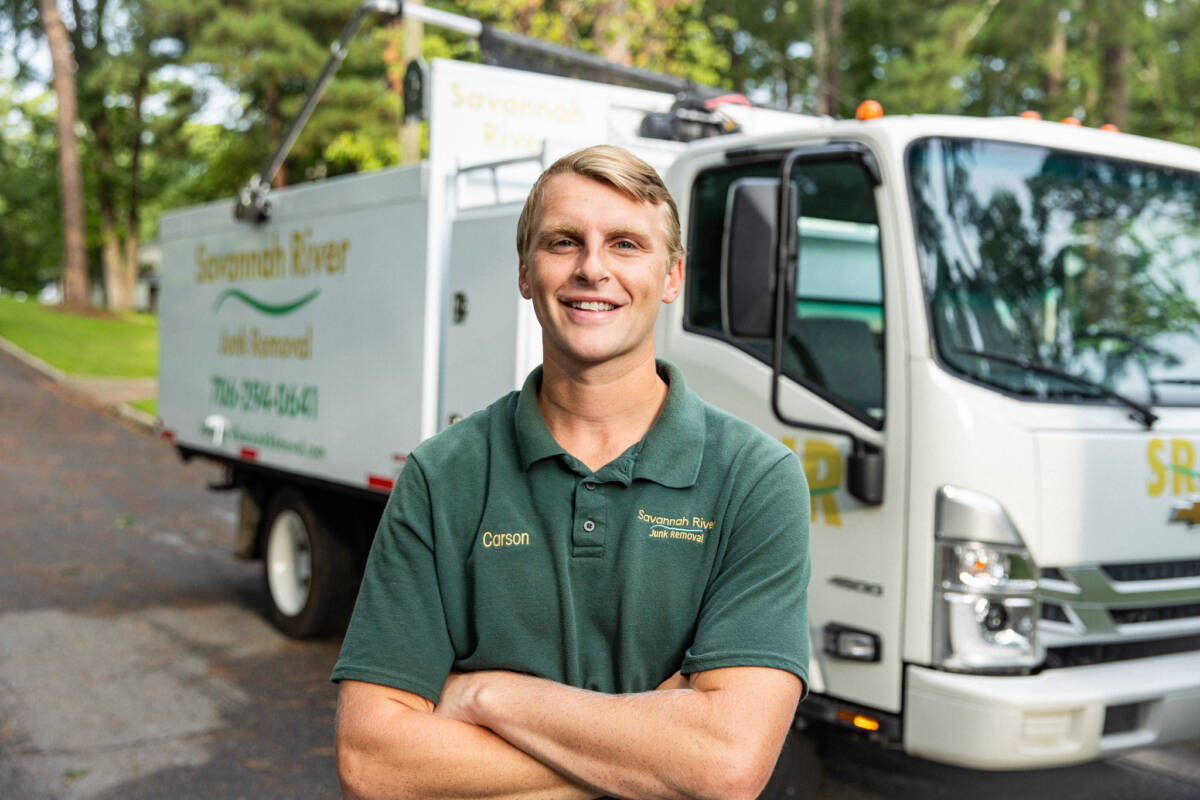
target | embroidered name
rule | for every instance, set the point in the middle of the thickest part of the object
(515, 539)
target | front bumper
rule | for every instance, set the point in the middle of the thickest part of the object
(1053, 718)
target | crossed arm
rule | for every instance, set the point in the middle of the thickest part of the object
(504, 735)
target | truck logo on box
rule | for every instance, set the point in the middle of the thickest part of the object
(1186, 513)
(274, 309)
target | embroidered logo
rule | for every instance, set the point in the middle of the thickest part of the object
(692, 529)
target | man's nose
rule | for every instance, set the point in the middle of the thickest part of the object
(591, 267)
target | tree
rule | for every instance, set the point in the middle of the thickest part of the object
(75, 277)
(270, 52)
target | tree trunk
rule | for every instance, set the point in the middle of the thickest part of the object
(118, 291)
(820, 49)
(70, 175)
(612, 31)
(827, 41)
(1056, 59)
(1114, 89)
(134, 217)
(829, 81)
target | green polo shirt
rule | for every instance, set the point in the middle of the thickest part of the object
(499, 550)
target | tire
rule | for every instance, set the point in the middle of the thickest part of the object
(308, 570)
(798, 772)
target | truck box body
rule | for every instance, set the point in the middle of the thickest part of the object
(1024, 592)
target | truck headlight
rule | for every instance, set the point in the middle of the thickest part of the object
(985, 603)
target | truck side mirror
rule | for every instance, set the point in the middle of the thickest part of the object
(748, 265)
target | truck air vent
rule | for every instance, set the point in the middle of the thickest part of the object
(1152, 571)
(1055, 613)
(1084, 654)
(1053, 574)
(1121, 719)
(1134, 616)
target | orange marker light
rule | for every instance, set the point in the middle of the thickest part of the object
(1030, 114)
(866, 723)
(1071, 121)
(857, 720)
(869, 109)
(1108, 126)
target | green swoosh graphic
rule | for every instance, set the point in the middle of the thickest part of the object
(821, 490)
(266, 308)
(1191, 473)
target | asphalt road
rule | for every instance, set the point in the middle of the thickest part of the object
(135, 662)
(134, 658)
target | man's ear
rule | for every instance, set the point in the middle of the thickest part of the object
(674, 283)
(523, 279)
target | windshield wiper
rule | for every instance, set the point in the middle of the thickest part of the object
(1177, 381)
(1141, 412)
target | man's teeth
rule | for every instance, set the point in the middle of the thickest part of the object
(592, 305)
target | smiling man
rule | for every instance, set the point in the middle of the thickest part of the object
(596, 586)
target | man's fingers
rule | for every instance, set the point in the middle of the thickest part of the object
(676, 681)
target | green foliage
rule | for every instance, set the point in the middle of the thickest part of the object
(124, 345)
(146, 149)
(30, 243)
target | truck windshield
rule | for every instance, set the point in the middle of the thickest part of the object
(1087, 265)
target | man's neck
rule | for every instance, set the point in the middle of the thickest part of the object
(597, 412)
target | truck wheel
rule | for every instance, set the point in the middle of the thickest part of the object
(308, 570)
(798, 772)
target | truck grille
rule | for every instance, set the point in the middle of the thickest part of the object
(1152, 571)
(1114, 612)
(1085, 654)
(1135, 616)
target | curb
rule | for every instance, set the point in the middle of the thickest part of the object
(30, 360)
(125, 410)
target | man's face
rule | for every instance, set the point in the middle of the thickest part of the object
(597, 271)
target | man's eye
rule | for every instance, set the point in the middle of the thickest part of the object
(561, 243)
(625, 244)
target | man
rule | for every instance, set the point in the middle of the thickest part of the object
(596, 585)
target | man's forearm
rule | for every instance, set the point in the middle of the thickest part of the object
(708, 741)
(389, 750)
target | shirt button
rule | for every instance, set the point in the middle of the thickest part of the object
(589, 486)
(589, 526)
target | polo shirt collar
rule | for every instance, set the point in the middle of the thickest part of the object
(671, 451)
(533, 437)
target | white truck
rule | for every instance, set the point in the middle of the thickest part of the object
(982, 337)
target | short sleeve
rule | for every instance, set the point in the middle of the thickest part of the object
(397, 635)
(755, 609)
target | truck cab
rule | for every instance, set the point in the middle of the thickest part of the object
(989, 362)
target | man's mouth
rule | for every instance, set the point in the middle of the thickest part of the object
(591, 305)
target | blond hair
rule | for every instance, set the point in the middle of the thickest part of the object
(611, 165)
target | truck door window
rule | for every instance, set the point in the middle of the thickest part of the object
(836, 342)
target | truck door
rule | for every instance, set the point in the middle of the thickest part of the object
(841, 369)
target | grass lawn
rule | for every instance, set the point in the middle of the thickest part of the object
(123, 345)
(149, 406)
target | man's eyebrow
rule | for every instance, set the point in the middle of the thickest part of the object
(640, 234)
(570, 231)
(561, 229)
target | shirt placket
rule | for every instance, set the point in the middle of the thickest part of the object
(588, 528)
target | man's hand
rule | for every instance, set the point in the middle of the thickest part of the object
(713, 734)
(457, 693)
(390, 745)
